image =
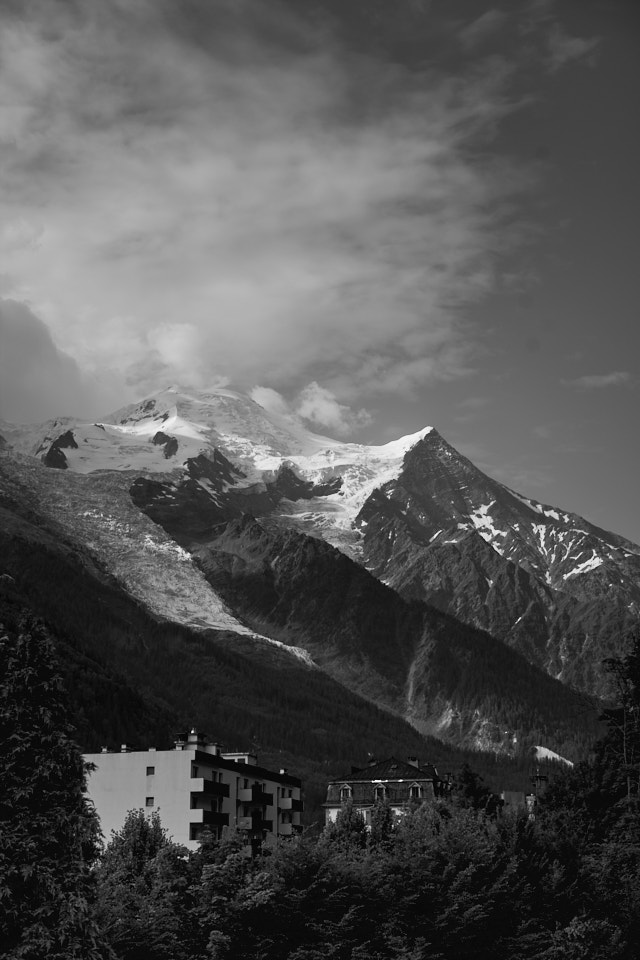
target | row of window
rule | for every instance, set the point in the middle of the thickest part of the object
(380, 793)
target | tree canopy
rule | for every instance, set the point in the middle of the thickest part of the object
(48, 832)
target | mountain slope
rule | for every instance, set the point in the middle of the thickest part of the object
(137, 678)
(160, 490)
(548, 583)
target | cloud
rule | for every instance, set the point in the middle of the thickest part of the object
(485, 26)
(199, 189)
(225, 191)
(271, 400)
(474, 403)
(315, 404)
(320, 406)
(563, 48)
(37, 380)
(597, 381)
(472, 408)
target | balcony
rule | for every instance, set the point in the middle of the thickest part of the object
(254, 824)
(208, 817)
(210, 788)
(290, 803)
(289, 829)
(255, 795)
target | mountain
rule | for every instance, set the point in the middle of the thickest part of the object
(549, 583)
(139, 670)
(400, 571)
(416, 513)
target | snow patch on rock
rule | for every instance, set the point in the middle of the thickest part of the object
(544, 753)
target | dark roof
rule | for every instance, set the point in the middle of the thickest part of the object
(391, 769)
(246, 769)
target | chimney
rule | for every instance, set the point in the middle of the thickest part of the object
(104, 750)
(124, 748)
(372, 761)
(413, 761)
(283, 770)
(196, 740)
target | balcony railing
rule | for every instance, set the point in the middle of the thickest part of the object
(254, 824)
(290, 803)
(209, 817)
(211, 788)
(289, 829)
(255, 795)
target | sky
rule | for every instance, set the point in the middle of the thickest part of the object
(376, 214)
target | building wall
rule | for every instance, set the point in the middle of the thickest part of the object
(195, 787)
(120, 783)
(362, 795)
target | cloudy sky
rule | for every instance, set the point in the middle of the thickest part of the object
(380, 213)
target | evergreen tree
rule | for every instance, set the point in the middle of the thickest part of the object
(143, 889)
(48, 832)
(621, 745)
(470, 791)
(382, 823)
(348, 829)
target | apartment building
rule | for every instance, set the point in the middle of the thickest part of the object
(194, 787)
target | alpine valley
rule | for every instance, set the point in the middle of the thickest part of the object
(201, 559)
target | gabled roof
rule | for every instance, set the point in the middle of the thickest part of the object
(391, 769)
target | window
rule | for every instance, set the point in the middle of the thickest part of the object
(149, 802)
(151, 771)
(415, 792)
(195, 772)
(345, 793)
(379, 792)
(245, 784)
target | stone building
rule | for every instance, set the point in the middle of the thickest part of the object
(400, 782)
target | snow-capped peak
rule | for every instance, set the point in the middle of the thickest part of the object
(163, 431)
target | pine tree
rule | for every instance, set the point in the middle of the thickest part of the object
(48, 832)
(621, 746)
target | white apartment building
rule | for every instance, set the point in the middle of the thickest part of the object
(195, 787)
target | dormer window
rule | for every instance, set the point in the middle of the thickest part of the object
(345, 793)
(379, 792)
(415, 792)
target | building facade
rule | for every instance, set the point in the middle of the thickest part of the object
(401, 783)
(196, 787)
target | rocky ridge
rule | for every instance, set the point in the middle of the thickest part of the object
(427, 526)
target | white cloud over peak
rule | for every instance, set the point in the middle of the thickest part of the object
(321, 407)
(271, 400)
(315, 404)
